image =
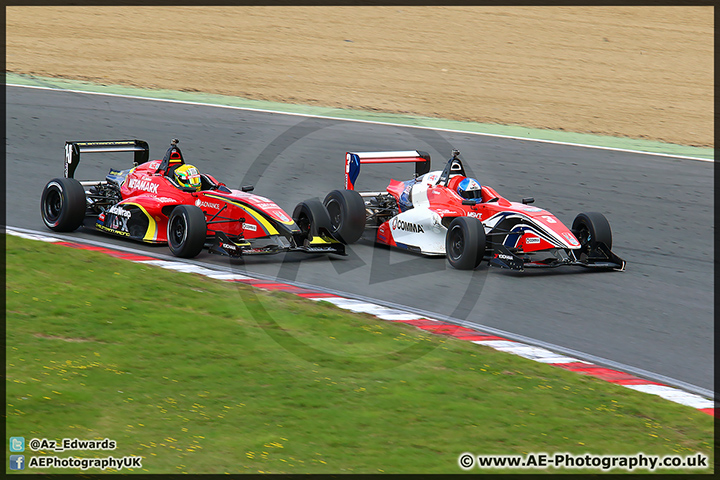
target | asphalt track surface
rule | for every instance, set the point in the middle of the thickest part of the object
(656, 316)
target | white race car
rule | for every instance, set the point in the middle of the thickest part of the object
(447, 213)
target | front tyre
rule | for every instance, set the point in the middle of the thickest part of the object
(590, 229)
(347, 214)
(310, 216)
(465, 243)
(186, 231)
(63, 204)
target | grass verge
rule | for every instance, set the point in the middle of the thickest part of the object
(201, 376)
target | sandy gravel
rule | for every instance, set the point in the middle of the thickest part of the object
(642, 72)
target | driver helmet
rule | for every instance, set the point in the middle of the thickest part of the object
(188, 176)
(470, 189)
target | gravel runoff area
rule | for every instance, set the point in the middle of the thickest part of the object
(641, 72)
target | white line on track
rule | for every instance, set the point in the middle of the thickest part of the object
(374, 122)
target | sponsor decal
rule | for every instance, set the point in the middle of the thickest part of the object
(250, 227)
(502, 256)
(119, 211)
(407, 226)
(319, 249)
(111, 230)
(119, 223)
(532, 209)
(471, 185)
(201, 203)
(104, 143)
(154, 164)
(114, 219)
(570, 238)
(228, 246)
(165, 199)
(532, 240)
(432, 177)
(267, 205)
(143, 185)
(477, 215)
(282, 216)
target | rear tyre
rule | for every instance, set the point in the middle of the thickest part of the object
(347, 214)
(310, 216)
(186, 231)
(63, 204)
(590, 229)
(465, 243)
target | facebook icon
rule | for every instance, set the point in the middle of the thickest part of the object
(17, 462)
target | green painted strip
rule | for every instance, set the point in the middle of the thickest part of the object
(437, 123)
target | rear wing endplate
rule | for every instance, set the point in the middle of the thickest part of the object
(74, 149)
(353, 160)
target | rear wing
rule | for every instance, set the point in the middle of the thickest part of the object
(74, 149)
(353, 160)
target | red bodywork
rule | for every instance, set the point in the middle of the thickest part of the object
(153, 193)
(448, 204)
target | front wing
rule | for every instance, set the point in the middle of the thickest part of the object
(223, 245)
(602, 258)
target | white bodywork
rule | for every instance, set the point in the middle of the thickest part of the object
(420, 228)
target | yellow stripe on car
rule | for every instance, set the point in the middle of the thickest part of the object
(256, 215)
(152, 225)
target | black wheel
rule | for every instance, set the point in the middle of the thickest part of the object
(347, 214)
(591, 228)
(63, 204)
(186, 231)
(310, 216)
(465, 243)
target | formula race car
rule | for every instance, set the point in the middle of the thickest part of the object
(447, 213)
(169, 201)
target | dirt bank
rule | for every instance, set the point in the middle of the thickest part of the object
(642, 72)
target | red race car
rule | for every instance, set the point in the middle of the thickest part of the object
(448, 213)
(169, 201)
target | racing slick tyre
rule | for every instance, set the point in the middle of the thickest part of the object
(186, 231)
(310, 216)
(347, 214)
(63, 204)
(465, 243)
(590, 229)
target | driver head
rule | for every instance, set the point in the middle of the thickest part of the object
(470, 189)
(188, 176)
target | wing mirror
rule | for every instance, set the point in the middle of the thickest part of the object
(528, 200)
(468, 202)
(248, 188)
